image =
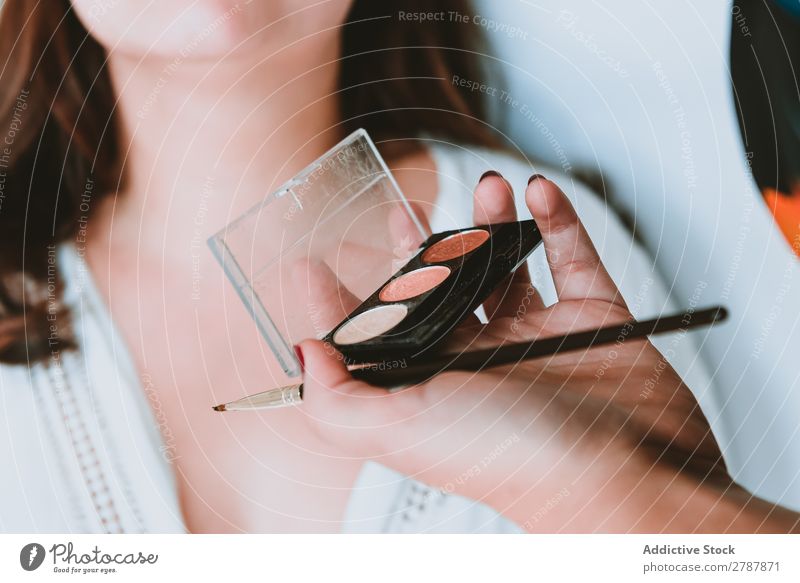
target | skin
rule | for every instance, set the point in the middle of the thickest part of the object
(211, 123)
(613, 457)
(233, 114)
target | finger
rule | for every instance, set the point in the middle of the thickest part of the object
(327, 381)
(527, 298)
(494, 203)
(577, 270)
(346, 411)
(327, 300)
(407, 238)
(324, 367)
(515, 296)
(333, 397)
(493, 200)
(405, 233)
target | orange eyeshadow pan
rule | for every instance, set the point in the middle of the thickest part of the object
(455, 246)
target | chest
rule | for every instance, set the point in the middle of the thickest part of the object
(195, 347)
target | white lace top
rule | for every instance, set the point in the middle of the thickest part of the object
(81, 449)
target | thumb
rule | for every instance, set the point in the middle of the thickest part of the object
(322, 365)
(340, 405)
(326, 377)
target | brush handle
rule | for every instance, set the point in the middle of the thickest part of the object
(384, 375)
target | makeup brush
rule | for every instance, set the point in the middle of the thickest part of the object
(389, 375)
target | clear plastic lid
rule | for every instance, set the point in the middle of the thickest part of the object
(341, 218)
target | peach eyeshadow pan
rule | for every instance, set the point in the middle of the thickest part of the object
(414, 283)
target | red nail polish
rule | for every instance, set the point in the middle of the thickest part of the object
(535, 177)
(299, 353)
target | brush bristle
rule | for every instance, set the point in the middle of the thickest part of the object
(218, 407)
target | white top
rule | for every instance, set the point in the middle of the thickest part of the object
(83, 451)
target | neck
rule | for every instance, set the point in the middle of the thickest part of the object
(205, 140)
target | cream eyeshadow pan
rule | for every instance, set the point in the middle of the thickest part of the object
(370, 324)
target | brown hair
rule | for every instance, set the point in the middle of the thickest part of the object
(59, 138)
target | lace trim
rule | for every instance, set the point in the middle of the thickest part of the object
(56, 445)
(89, 462)
(415, 503)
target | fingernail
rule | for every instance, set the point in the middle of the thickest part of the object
(299, 354)
(535, 177)
(489, 173)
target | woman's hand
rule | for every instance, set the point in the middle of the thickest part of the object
(590, 423)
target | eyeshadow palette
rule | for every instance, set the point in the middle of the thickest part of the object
(448, 278)
(342, 223)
